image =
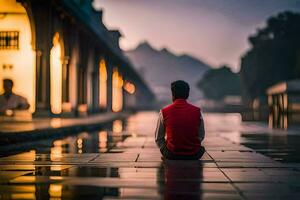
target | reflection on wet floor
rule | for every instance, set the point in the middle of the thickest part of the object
(121, 161)
(173, 185)
(85, 142)
(58, 191)
(280, 147)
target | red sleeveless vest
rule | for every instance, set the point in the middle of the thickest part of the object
(182, 122)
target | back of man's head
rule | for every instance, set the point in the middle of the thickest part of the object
(8, 85)
(8, 81)
(180, 89)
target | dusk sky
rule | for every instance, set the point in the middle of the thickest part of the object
(214, 31)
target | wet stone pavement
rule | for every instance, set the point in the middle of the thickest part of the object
(122, 162)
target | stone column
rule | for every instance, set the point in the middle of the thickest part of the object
(41, 13)
(65, 81)
(95, 83)
(82, 75)
(109, 67)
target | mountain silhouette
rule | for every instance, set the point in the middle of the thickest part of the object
(218, 83)
(161, 67)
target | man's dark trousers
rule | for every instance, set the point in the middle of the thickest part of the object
(171, 156)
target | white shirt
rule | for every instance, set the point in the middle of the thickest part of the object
(13, 102)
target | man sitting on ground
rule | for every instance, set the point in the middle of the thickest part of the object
(10, 101)
(183, 126)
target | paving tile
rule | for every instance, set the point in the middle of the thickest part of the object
(264, 187)
(249, 177)
(116, 157)
(139, 193)
(281, 172)
(48, 158)
(250, 165)
(271, 196)
(112, 182)
(221, 196)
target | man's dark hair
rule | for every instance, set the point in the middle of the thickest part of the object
(7, 80)
(180, 89)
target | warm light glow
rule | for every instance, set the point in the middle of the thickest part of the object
(23, 196)
(83, 108)
(73, 79)
(23, 192)
(56, 151)
(117, 91)
(56, 122)
(285, 101)
(9, 112)
(129, 87)
(29, 156)
(117, 126)
(57, 178)
(56, 167)
(56, 75)
(55, 190)
(79, 145)
(67, 107)
(103, 141)
(102, 84)
(18, 64)
(58, 143)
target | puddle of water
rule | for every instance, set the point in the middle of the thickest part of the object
(58, 191)
(100, 141)
(280, 145)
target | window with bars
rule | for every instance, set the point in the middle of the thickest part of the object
(9, 40)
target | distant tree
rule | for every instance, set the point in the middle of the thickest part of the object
(274, 56)
(218, 83)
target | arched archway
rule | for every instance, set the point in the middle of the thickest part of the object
(102, 84)
(117, 91)
(17, 56)
(56, 62)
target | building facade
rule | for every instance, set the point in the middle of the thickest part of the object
(64, 60)
(284, 104)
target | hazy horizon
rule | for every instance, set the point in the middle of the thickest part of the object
(214, 31)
